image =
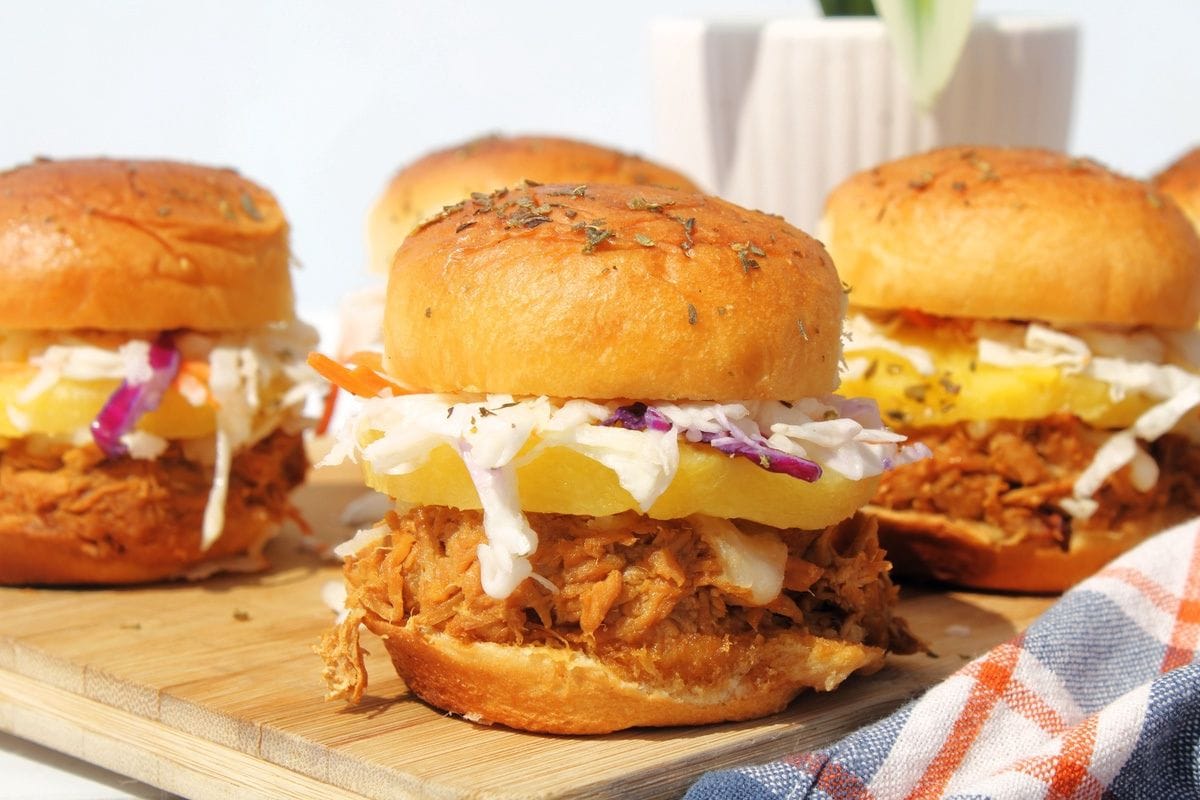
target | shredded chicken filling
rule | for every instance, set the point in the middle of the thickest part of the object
(647, 596)
(1018, 475)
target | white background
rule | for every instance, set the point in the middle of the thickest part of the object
(322, 101)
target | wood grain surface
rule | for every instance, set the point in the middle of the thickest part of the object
(211, 690)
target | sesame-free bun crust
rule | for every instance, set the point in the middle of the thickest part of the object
(1014, 234)
(139, 245)
(541, 291)
(1181, 182)
(557, 690)
(421, 189)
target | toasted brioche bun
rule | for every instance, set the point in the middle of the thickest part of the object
(139, 245)
(76, 518)
(1181, 183)
(515, 294)
(557, 690)
(1014, 234)
(421, 189)
(976, 555)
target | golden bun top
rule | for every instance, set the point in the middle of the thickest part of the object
(423, 188)
(1014, 234)
(139, 245)
(613, 292)
(1181, 182)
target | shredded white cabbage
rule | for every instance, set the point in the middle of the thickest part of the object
(144, 445)
(240, 367)
(77, 361)
(1040, 346)
(395, 436)
(865, 334)
(751, 565)
(192, 389)
(218, 493)
(503, 560)
(333, 595)
(136, 355)
(645, 460)
(361, 539)
(19, 418)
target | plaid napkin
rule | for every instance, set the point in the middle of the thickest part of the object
(1099, 698)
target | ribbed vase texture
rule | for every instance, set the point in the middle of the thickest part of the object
(773, 115)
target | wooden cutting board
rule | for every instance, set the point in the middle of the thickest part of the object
(211, 690)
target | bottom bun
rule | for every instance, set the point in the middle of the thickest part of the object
(68, 516)
(631, 622)
(976, 555)
(557, 690)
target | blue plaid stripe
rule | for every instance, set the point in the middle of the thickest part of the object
(1097, 659)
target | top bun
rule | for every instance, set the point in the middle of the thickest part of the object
(613, 292)
(139, 245)
(1014, 234)
(425, 187)
(1181, 182)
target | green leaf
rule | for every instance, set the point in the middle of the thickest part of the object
(848, 8)
(928, 36)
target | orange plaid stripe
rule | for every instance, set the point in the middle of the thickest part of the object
(1182, 648)
(1152, 590)
(1027, 702)
(1067, 775)
(832, 778)
(1071, 776)
(992, 679)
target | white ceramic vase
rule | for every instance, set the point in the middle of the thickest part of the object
(772, 115)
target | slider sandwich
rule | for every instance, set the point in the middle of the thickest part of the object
(1030, 317)
(151, 372)
(625, 493)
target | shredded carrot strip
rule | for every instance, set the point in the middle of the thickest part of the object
(371, 359)
(919, 319)
(327, 409)
(930, 322)
(199, 371)
(360, 381)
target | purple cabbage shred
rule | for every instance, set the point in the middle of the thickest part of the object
(769, 458)
(640, 417)
(131, 401)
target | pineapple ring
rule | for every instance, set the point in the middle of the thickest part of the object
(70, 406)
(962, 389)
(564, 481)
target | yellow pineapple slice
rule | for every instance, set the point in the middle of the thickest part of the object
(963, 389)
(564, 481)
(70, 405)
